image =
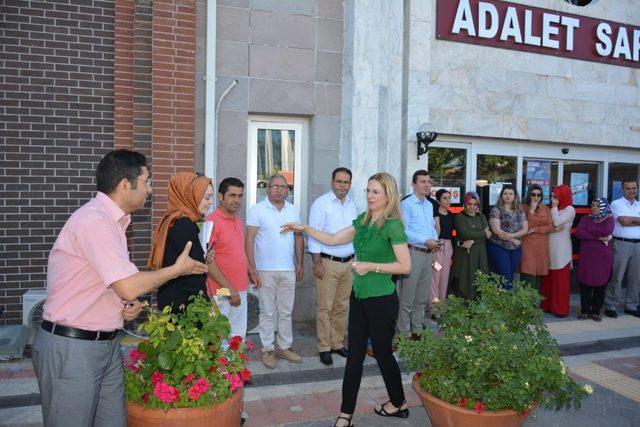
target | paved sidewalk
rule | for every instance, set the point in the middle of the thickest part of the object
(605, 355)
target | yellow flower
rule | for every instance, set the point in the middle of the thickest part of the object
(223, 292)
(588, 388)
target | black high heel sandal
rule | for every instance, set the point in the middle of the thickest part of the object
(340, 417)
(400, 413)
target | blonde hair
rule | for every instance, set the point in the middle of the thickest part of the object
(392, 210)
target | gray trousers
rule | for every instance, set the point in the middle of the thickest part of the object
(413, 292)
(81, 382)
(626, 258)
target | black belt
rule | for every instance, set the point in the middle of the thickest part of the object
(622, 239)
(81, 334)
(419, 249)
(336, 258)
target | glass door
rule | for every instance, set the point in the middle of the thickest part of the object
(492, 172)
(448, 169)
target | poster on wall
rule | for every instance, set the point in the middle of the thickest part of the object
(539, 172)
(455, 193)
(579, 188)
(616, 191)
(494, 192)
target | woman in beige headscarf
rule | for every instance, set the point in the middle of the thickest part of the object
(189, 197)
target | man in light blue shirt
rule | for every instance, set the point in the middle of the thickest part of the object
(422, 237)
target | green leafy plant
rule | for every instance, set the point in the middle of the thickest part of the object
(184, 363)
(492, 353)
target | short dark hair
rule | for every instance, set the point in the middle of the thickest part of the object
(229, 182)
(118, 165)
(440, 192)
(418, 173)
(626, 180)
(345, 170)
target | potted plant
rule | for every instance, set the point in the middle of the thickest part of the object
(183, 375)
(491, 362)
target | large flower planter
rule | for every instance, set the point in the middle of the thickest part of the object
(225, 414)
(443, 414)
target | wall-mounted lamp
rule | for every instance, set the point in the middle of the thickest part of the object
(425, 136)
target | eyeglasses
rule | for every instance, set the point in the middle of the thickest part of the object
(279, 187)
(338, 181)
(536, 194)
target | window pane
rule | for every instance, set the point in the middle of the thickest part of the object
(448, 169)
(492, 173)
(275, 155)
(618, 172)
(541, 172)
(582, 177)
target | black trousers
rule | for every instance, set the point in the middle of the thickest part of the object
(591, 298)
(373, 317)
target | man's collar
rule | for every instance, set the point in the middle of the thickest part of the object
(334, 197)
(221, 214)
(115, 212)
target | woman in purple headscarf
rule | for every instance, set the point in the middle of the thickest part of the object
(596, 258)
(470, 253)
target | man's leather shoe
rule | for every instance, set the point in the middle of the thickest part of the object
(325, 358)
(341, 351)
(632, 312)
(611, 313)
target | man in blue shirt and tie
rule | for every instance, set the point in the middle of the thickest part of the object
(419, 216)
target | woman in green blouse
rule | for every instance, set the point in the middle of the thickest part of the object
(470, 253)
(381, 251)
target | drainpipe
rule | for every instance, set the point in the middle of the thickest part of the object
(210, 117)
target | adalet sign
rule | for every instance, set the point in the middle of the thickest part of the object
(519, 27)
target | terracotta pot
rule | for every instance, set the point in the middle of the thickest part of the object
(443, 414)
(225, 414)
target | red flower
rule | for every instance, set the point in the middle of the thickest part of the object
(157, 377)
(235, 342)
(212, 369)
(244, 357)
(194, 393)
(146, 398)
(245, 374)
(188, 378)
(479, 407)
(250, 345)
(526, 412)
(132, 367)
(418, 374)
(463, 401)
(223, 361)
(137, 355)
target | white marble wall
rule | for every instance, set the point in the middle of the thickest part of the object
(372, 91)
(482, 91)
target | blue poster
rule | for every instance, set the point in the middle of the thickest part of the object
(539, 172)
(616, 191)
(579, 188)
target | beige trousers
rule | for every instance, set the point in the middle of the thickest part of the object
(277, 295)
(332, 302)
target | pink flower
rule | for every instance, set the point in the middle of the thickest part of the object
(157, 377)
(463, 401)
(479, 407)
(223, 361)
(250, 345)
(202, 385)
(194, 393)
(133, 368)
(165, 392)
(137, 355)
(235, 382)
(234, 342)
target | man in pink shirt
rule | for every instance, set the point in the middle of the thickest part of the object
(92, 287)
(229, 268)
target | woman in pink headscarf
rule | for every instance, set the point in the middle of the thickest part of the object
(556, 285)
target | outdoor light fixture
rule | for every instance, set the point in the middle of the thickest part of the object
(425, 136)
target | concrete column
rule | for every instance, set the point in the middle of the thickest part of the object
(371, 135)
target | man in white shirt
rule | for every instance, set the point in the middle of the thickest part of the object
(330, 213)
(422, 237)
(626, 252)
(272, 269)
